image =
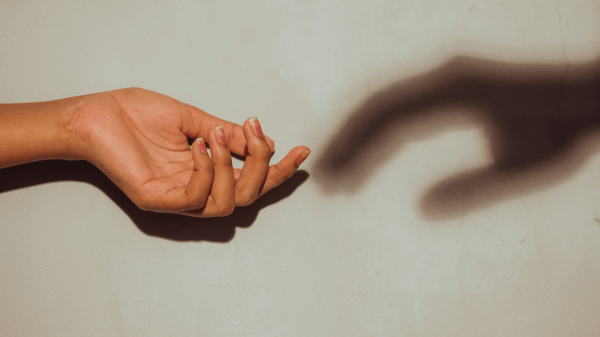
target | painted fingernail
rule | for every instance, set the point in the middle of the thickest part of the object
(201, 145)
(220, 135)
(302, 157)
(256, 127)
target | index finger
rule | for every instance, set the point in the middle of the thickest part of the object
(202, 122)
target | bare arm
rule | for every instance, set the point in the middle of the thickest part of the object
(139, 139)
(38, 131)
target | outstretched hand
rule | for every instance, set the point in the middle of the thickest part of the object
(139, 139)
(536, 118)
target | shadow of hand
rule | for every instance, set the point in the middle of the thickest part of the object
(169, 226)
(535, 116)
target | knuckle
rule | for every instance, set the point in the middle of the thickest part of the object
(226, 209)
(224, 163)
(208, 169)
(288, 175)
(263, 154)
(280, 180)
(244, 199)
(282, 176)
(196, 201)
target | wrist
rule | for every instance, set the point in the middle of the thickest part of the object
(81, 120)
(38, 131)
(73, 133)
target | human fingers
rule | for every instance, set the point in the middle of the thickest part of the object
(199, 187)
(221, 201)
(202, 122)
(192, 196)
(255, 167)
(283, 170)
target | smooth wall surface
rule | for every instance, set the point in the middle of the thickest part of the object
(453, 188)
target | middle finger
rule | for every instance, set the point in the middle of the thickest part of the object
(256, 166)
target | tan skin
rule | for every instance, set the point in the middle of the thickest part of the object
(139, 139)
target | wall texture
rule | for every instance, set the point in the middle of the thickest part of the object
(453, 189)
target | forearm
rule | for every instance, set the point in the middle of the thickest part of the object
(38, 131)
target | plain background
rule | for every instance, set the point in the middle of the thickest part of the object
(314, 259)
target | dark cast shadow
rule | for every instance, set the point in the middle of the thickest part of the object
(168, 226)
(542, 122)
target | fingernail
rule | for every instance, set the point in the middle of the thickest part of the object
(201, 145)
(302, 157)
(256, 127)
(220, 135)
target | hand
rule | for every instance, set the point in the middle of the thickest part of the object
(139, 139)
(538, 119)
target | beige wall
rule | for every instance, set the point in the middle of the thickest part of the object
(422, 212)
